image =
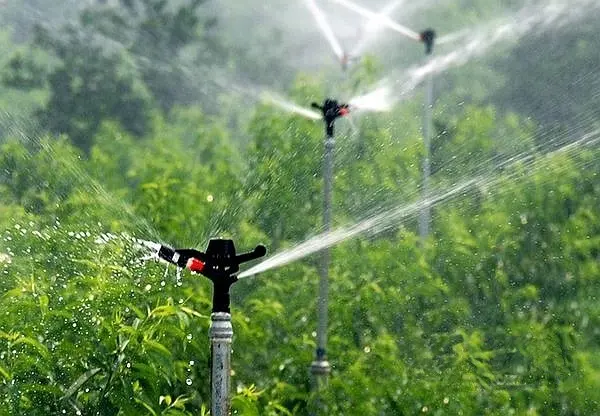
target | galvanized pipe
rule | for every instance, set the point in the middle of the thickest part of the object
(221, 336)
(425, 214)
(320, 367)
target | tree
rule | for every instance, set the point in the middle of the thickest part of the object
(91, 85)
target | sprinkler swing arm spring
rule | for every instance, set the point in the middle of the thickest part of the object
(219, 264)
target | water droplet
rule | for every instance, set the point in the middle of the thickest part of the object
(191, 362)
(188, 381)
(367, 349)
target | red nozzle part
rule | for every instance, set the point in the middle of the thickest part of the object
(195, 265)
(344, 111)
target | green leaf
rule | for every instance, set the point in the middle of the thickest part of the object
(44, 304)
(79, 382)
(180, 402)
(158, 347)
(146, 405)
(4, 373)
(161, 311)
(190, 311)
(34, 343)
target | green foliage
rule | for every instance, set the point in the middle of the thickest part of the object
(496, 313)
(89, 86)
(155, 34)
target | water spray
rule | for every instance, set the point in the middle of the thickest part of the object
(380, 18)
(289, 106)
(372, 27)
(219, 264)
(531, 19)
(388, 219)
(325, 28)
(377, 100)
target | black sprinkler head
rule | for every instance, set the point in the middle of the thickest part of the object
(331, 110)
(219, 264)
(427, 37)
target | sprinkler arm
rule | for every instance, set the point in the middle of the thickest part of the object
(219, 264)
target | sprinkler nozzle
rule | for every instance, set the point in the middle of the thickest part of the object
(219, 264)
(427, 37)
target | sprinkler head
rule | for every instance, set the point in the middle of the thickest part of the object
(219, 264)
(331, 110)
(427, 37)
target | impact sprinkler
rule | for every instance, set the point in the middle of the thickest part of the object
(331, 110)
(320, 367)
(427, 37)
(219, 264)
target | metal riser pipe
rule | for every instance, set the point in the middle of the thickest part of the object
(221, 336)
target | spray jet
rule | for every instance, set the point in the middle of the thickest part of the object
(219, 264)
(427, 37)
(331, 110)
